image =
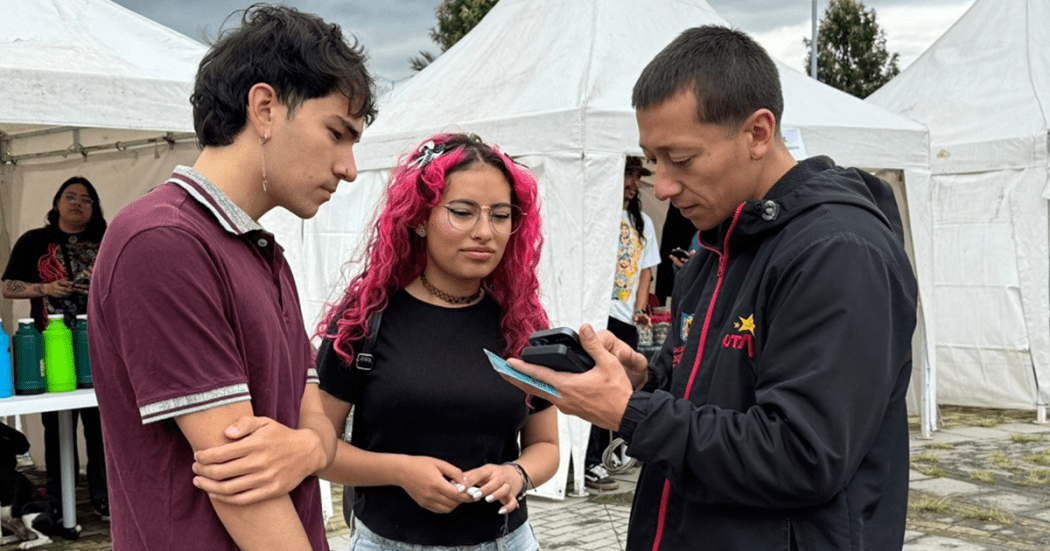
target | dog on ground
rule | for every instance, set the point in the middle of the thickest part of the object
(24, 511)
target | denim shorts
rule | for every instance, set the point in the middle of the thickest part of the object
(521, 539)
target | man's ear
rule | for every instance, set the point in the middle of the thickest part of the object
(761, 129)
(263, 108)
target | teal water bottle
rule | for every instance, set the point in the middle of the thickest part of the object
(80, 353)
(29, 359)
(7, 381)
(61, 373)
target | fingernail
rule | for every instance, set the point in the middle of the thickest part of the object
(503, 510)
(490, 498)
(475, 493)
(459, 487)
(587, 331)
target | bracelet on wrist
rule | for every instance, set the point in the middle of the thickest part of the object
(525, 480)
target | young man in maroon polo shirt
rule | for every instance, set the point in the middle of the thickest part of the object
(197, 340)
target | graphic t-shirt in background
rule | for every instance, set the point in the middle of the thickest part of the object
(632, 256)
(49, 254)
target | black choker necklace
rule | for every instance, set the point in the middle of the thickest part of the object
(451, 299)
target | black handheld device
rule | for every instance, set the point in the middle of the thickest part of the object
(680, 254)
(558, 349)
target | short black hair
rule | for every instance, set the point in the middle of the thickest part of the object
(296, 53)
(96, 225)
(730, 74)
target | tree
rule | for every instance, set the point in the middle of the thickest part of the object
(455, 18)
(851, 49)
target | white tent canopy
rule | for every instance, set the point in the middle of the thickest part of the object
(550, 82)
(983, 90)
(92, 89)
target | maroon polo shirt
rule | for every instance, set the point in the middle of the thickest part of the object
(192, 306)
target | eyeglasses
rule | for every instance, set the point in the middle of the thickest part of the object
(84, 200)
(463, 215)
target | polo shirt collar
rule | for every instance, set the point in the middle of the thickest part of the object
(231, 217)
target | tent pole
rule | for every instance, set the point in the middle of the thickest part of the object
(813, 45)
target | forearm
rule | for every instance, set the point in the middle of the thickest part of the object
(20, 289)
(539, 456)
(256, 525)
(641, 301)
(312, 418)
(353, 466)
(261, 525)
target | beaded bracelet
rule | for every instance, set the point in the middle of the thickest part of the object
(525, 480)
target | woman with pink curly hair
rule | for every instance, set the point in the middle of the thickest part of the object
(434, 458)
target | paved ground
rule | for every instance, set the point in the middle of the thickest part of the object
(981, 484)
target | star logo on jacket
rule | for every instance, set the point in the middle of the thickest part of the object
(746, 324)
(745, 340)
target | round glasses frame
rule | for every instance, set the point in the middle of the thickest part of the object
(504, 219)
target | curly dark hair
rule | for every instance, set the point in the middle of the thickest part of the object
(296, 53)
(96, 225)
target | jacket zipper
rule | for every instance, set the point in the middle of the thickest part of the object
(723, 259)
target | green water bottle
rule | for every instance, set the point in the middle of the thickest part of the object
(29, 359)
(80, 353)
(58, 356)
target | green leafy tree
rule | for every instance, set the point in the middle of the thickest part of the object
(455, 18)
(851, 49)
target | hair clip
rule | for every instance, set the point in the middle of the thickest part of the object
(427, 152)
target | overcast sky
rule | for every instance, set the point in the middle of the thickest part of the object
(395, 30)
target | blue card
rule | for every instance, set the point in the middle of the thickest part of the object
(500, 365)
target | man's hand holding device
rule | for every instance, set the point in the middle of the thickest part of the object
(599, 393)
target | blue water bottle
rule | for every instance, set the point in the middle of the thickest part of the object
(7, 381)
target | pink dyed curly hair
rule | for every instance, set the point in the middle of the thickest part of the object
(396, 256)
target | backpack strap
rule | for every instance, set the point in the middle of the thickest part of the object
(364, 359)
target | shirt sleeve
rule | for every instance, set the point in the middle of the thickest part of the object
(336, 377)
(651, 252)
(165, 308)
(22, 266)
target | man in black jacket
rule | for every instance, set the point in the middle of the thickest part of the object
(774, 416)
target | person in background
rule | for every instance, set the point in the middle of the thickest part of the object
(203, 367)
(678, 241)
(434, 456)
(51, 266)
(636, 253)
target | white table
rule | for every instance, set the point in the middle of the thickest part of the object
(63, 403)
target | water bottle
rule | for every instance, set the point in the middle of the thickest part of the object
(80, 353)
(61, 373)
(29, 359)
(7, 382)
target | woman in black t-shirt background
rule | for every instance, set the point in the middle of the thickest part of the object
(434, 456)
(51, 266)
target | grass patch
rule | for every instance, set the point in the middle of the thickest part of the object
(1041, 458)
(958, 416)
(1026, 438)
(988, 515)
(1038, 477)
(940, 446)
(935, 472)
(988, 477)
(1001, 460)
(624, 498)
(939, 505)
(927, 457)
